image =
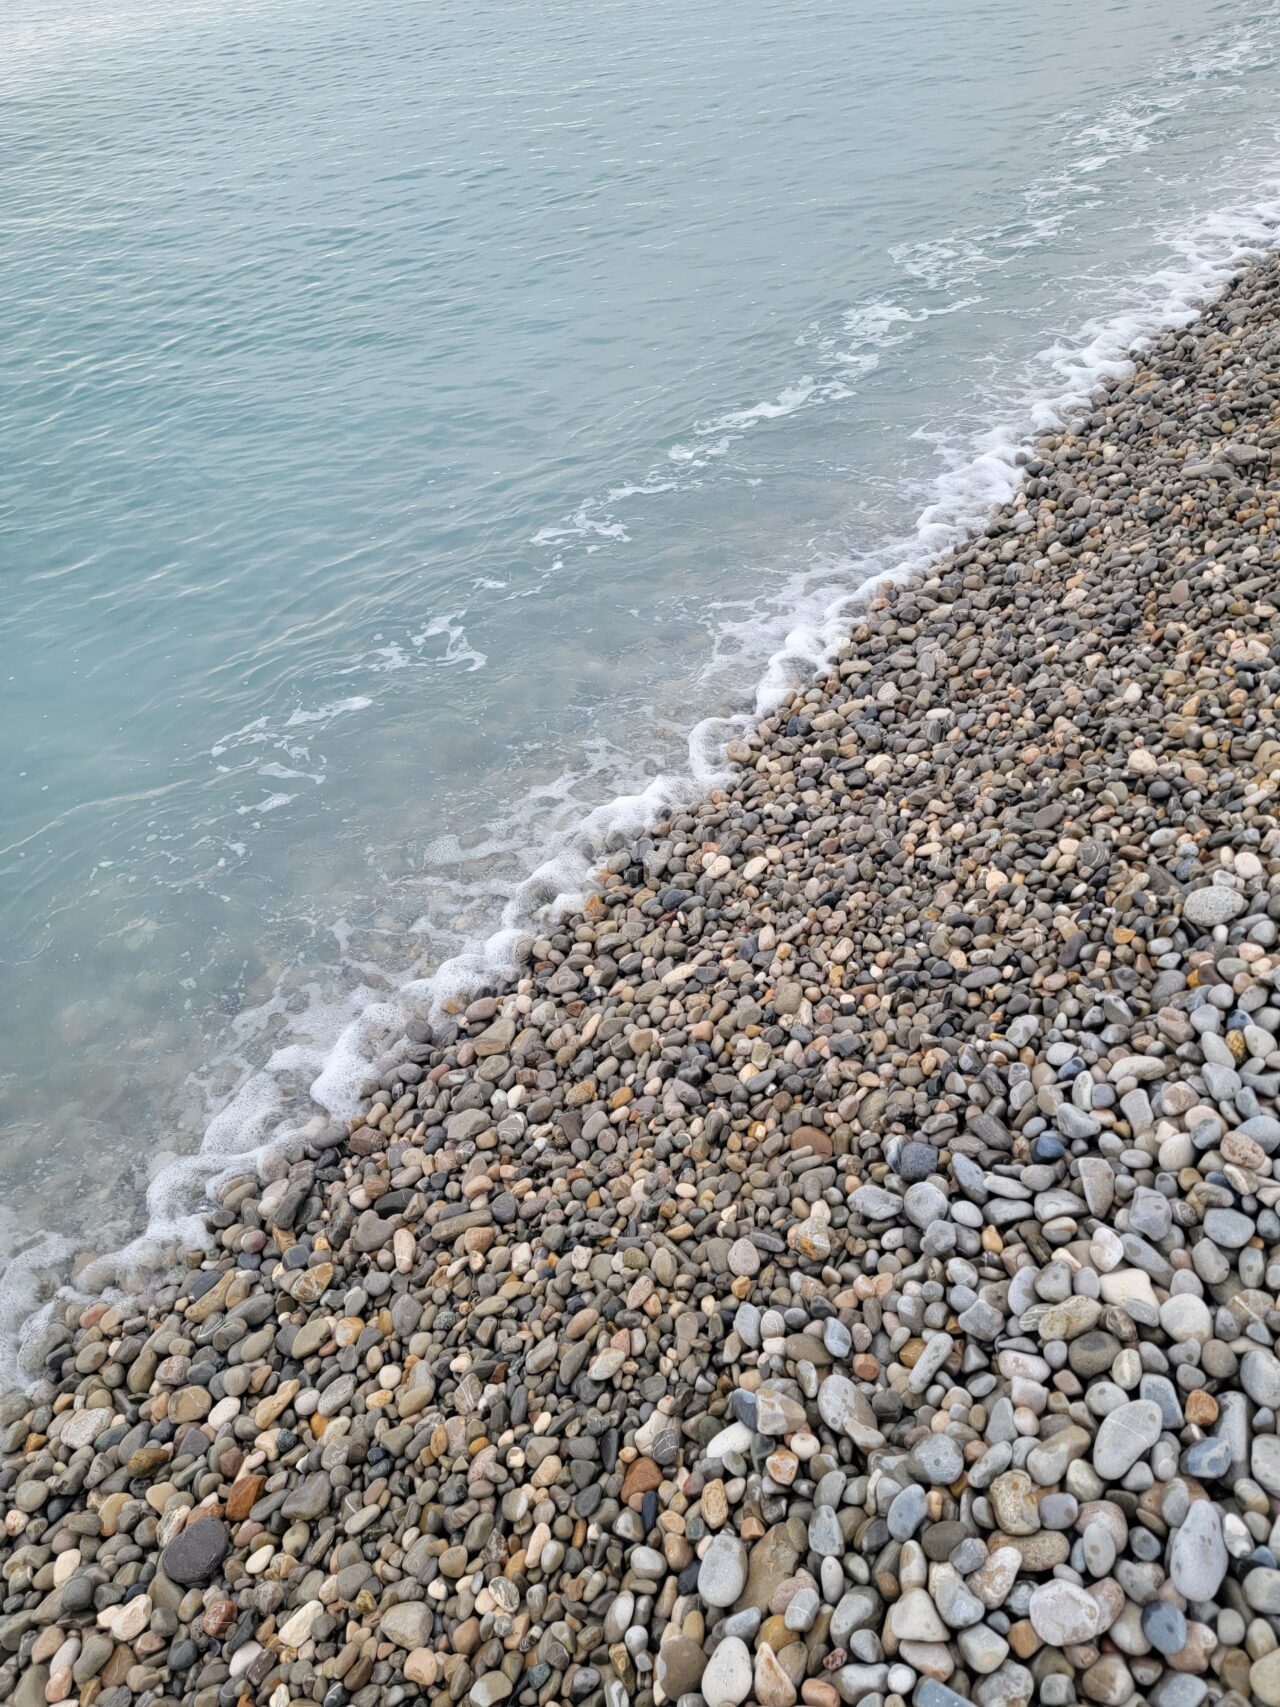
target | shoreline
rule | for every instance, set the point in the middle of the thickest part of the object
(898, 1122)
(263, 1115)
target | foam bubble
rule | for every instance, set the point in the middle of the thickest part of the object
(327, 713)
(788, 400)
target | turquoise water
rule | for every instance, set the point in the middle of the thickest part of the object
(423, 427)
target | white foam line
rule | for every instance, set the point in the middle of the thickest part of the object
(251, 1130)
(1208, 252)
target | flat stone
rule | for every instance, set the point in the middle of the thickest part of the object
(1127, 1286)
(1075, 1122)
(825, 1537)
(1063, 1613)
(297, 1627)
(1211, 1457)
(1093, 1353)
(982, 1650)
(1185, 1317)
(1262, 1591)
(959, 1606)
(1198, 1556)
(1260, 1377)
(846, 1408)
(1212, 906)
(1098, 1179)
(1228, 1228)
(778, 1413)
(994, 1578)
(916, 1162)
(722, 1574)
(728, 1676)
(874, 1203)
(1126, 1434)
(408, 1624)
(930, 1693)
(1013, 1498)
(1047, 1463)
(1264, 1679)
(309, 1499)
(649, 1563)
(914, 1618)
(82, 1428)
(772, 1685)
(924, 1204)
(907, 1512)
(488, 1690)
(1264, 1461)
(196, 1553)
(680, 1665)
(1039, 1552)
(1070, 1319)
(858, 1608)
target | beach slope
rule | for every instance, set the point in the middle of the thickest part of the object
(844, 1265)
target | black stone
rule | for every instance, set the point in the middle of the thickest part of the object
(195, 1555)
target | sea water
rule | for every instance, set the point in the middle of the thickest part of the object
(425, 430)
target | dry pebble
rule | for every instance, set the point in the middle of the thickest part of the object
(841, 1266)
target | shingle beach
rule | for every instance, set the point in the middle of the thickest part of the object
(843, 1267)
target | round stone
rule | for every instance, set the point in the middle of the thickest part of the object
(937, 1460)
(744, 1258)
(1185, 1317)
(680, 1666)
(1164, 1626)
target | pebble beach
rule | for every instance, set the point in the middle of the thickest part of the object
(843, 1266)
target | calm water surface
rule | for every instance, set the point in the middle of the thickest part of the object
(415, 420)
